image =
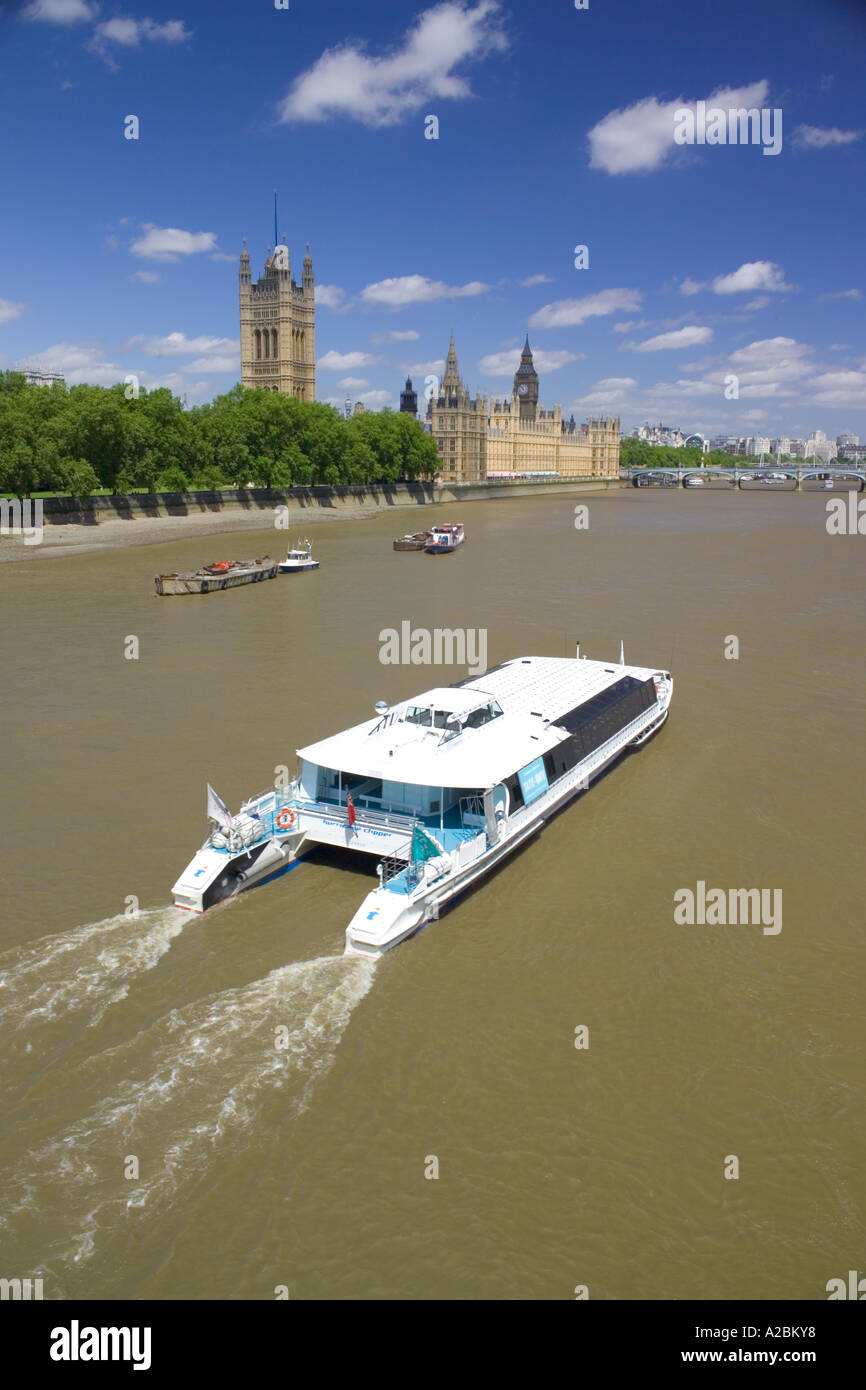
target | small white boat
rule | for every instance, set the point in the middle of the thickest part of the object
(444, 539)
(301, 558)
(694, 482)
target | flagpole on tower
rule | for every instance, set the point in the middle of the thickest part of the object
(276, 237)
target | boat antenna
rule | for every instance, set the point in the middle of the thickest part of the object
(621, 653)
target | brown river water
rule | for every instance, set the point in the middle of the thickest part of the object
(155, 1141)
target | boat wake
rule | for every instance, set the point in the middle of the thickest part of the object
(196, 1078)
(86, 969)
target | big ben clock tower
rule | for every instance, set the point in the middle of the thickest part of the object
(526, 385)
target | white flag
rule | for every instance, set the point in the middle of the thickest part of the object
(217, 809)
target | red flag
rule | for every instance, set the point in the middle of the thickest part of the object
(350, 808)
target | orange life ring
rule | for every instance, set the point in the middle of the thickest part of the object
(286, 818)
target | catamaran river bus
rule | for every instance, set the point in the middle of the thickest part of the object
(440, 788)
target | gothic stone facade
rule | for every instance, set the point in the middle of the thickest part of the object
(278, 326)
(518, 436)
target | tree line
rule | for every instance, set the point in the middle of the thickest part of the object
(87, 439)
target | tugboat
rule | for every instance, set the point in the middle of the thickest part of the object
(444, 539)
(301, 558)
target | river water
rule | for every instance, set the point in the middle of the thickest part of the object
(156, 1141)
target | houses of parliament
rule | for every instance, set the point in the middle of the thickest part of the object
(477, 438)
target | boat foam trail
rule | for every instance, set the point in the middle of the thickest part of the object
(87, 968)
(198, 1075)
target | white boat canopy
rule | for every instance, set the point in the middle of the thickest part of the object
(471, 735)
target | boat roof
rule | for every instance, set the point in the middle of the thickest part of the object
(532, 692)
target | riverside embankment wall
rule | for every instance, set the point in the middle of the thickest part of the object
(361, 500)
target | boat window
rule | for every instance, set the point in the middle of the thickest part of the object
(419, 714)
(440, 718)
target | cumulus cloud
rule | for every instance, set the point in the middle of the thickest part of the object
(690, 287)
(640, 138)
(752, 275)
(146, 277)
(170, 243)
(610, 392)
(506, 363)
(352, 383)
(114, 34)
(9, 311)
(229, 363)
(60, 11)
(80, 363)
(330, 296)
(687, 337)
(397, 335)
(535, 280)
(629, 326)
(380, 91)
(344, 361)
(400, 290)
(755, 304)
(179, 345)
(840, 294)
(813, 137)
(839, 388)
(566, 313)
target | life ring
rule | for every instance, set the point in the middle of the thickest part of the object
(286, 818)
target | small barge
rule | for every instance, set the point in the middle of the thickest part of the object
(225, 574)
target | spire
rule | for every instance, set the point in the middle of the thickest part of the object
(452, 371)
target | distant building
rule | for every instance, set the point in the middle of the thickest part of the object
(670, 436)
(757, 445)
(846, 439)
(780, 446)
(34, 376)
(278, 325)
(853, 453)
(408, 399)
(696, 441)
(516, 438)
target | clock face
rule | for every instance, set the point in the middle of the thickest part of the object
(523, 389)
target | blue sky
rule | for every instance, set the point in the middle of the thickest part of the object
(555, 130)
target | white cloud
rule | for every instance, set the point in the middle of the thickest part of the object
(60, 11)
(374, 398)
(344, 361)
(170, 243)
(752, 275)
(226, 363)
(689, 287)
(179, 345)
(224, 257)
(815, 137)
(352, 383)
(629, 326)
(379, 91)
(506, 363)
(397, 335)
(146, 277)
(840, 388)
(755, 304)
(640, 138)
(840, 294)
(434, 368)
(611, 392)
(9, 311)
(536, 280)
(755, 415)
(565, 313)
(80, 363)
(679, 338)
(330, 296)
(129, 33)
(400, 290)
